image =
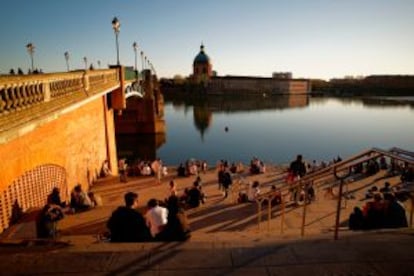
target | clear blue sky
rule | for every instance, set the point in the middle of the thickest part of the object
(311, 38)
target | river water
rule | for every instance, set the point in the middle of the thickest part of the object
(274, 129)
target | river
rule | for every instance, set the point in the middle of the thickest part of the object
(274, 129)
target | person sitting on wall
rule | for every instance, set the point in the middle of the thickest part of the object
(126, 224)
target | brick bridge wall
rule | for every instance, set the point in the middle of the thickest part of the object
(76, 141)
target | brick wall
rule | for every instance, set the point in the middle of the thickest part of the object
(76, 141)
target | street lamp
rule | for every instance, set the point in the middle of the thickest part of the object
(85, 59)
(30, 49)
(142, 60)
(67, 59)
(145, 58)
(116, 25)
(135, 47)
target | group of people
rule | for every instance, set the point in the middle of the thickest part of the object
(382, 210)
(160, 223)
(257, 166)
(192, 167)
(55, 209)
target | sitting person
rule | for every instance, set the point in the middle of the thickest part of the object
(374, 212)
(54, 198)
(156, 218)
(254, 167)
(371, 192)
(146, 170)
(356, 219)
(172, 189)
(96, 200)
(195, 196)
(46, 221)
(253, 191)
(407, 174)
(105, 171)
(79, 200)
(177, 228)
(395, 213)
(126, 224)
(233, 168)
(181, 170)
(386, 189)
(277, 196)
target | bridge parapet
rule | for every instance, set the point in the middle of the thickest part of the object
(27, 97)
(20, 92)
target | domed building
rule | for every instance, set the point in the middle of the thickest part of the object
(202, 68)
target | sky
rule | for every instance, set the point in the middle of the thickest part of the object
(310, 38)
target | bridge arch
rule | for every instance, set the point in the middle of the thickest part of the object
(133, 89)
(30, 190)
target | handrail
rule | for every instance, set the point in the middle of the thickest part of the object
(346, 164)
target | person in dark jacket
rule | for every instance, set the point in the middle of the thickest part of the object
(126, 224)
(298, 167)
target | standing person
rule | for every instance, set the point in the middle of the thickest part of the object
(122, 167)
(227, 181)
(156, 217)
(126, 224)
(220, 176)
(298, 167)
(156, 167)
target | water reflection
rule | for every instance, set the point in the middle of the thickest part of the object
(204, 106)
(139, 146)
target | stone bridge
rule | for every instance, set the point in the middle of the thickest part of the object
(55, 131)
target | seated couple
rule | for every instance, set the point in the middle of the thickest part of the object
(126, 224)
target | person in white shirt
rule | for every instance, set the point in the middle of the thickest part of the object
(146, 170)
(253, 191)
(157, 218)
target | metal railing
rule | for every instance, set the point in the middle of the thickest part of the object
(340, 171)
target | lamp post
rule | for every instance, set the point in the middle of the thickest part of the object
(142, 60)
(116, 25)
(30, 49)
(145, 58)
(135, 47)
(85, 59)
(67, 60)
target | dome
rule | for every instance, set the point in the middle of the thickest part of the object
(201, 57)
